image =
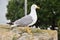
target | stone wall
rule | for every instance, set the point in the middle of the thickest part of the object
(20, 34)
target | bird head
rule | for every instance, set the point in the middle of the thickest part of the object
(35, 6)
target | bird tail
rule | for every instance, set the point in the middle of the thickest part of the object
(13, 26)
(11, 23)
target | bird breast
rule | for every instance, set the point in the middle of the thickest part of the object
(34, 17)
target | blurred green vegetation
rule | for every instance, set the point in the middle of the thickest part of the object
(15, 9)
(49, 13)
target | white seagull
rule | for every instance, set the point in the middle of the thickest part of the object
(27, 20)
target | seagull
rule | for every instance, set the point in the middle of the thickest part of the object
(27, 20)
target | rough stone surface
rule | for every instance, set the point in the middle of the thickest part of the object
(20, 34)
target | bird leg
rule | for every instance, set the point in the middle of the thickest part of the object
(28, 29)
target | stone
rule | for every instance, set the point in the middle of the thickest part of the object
(19, 33)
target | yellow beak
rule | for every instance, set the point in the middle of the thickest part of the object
(38, 7)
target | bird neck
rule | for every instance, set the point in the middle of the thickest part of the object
(33, 15)
(33, 12)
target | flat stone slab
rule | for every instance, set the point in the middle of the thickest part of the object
(19, 33)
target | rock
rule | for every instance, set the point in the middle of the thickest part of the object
(19, 33)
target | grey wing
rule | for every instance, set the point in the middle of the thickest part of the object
(24, 21)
